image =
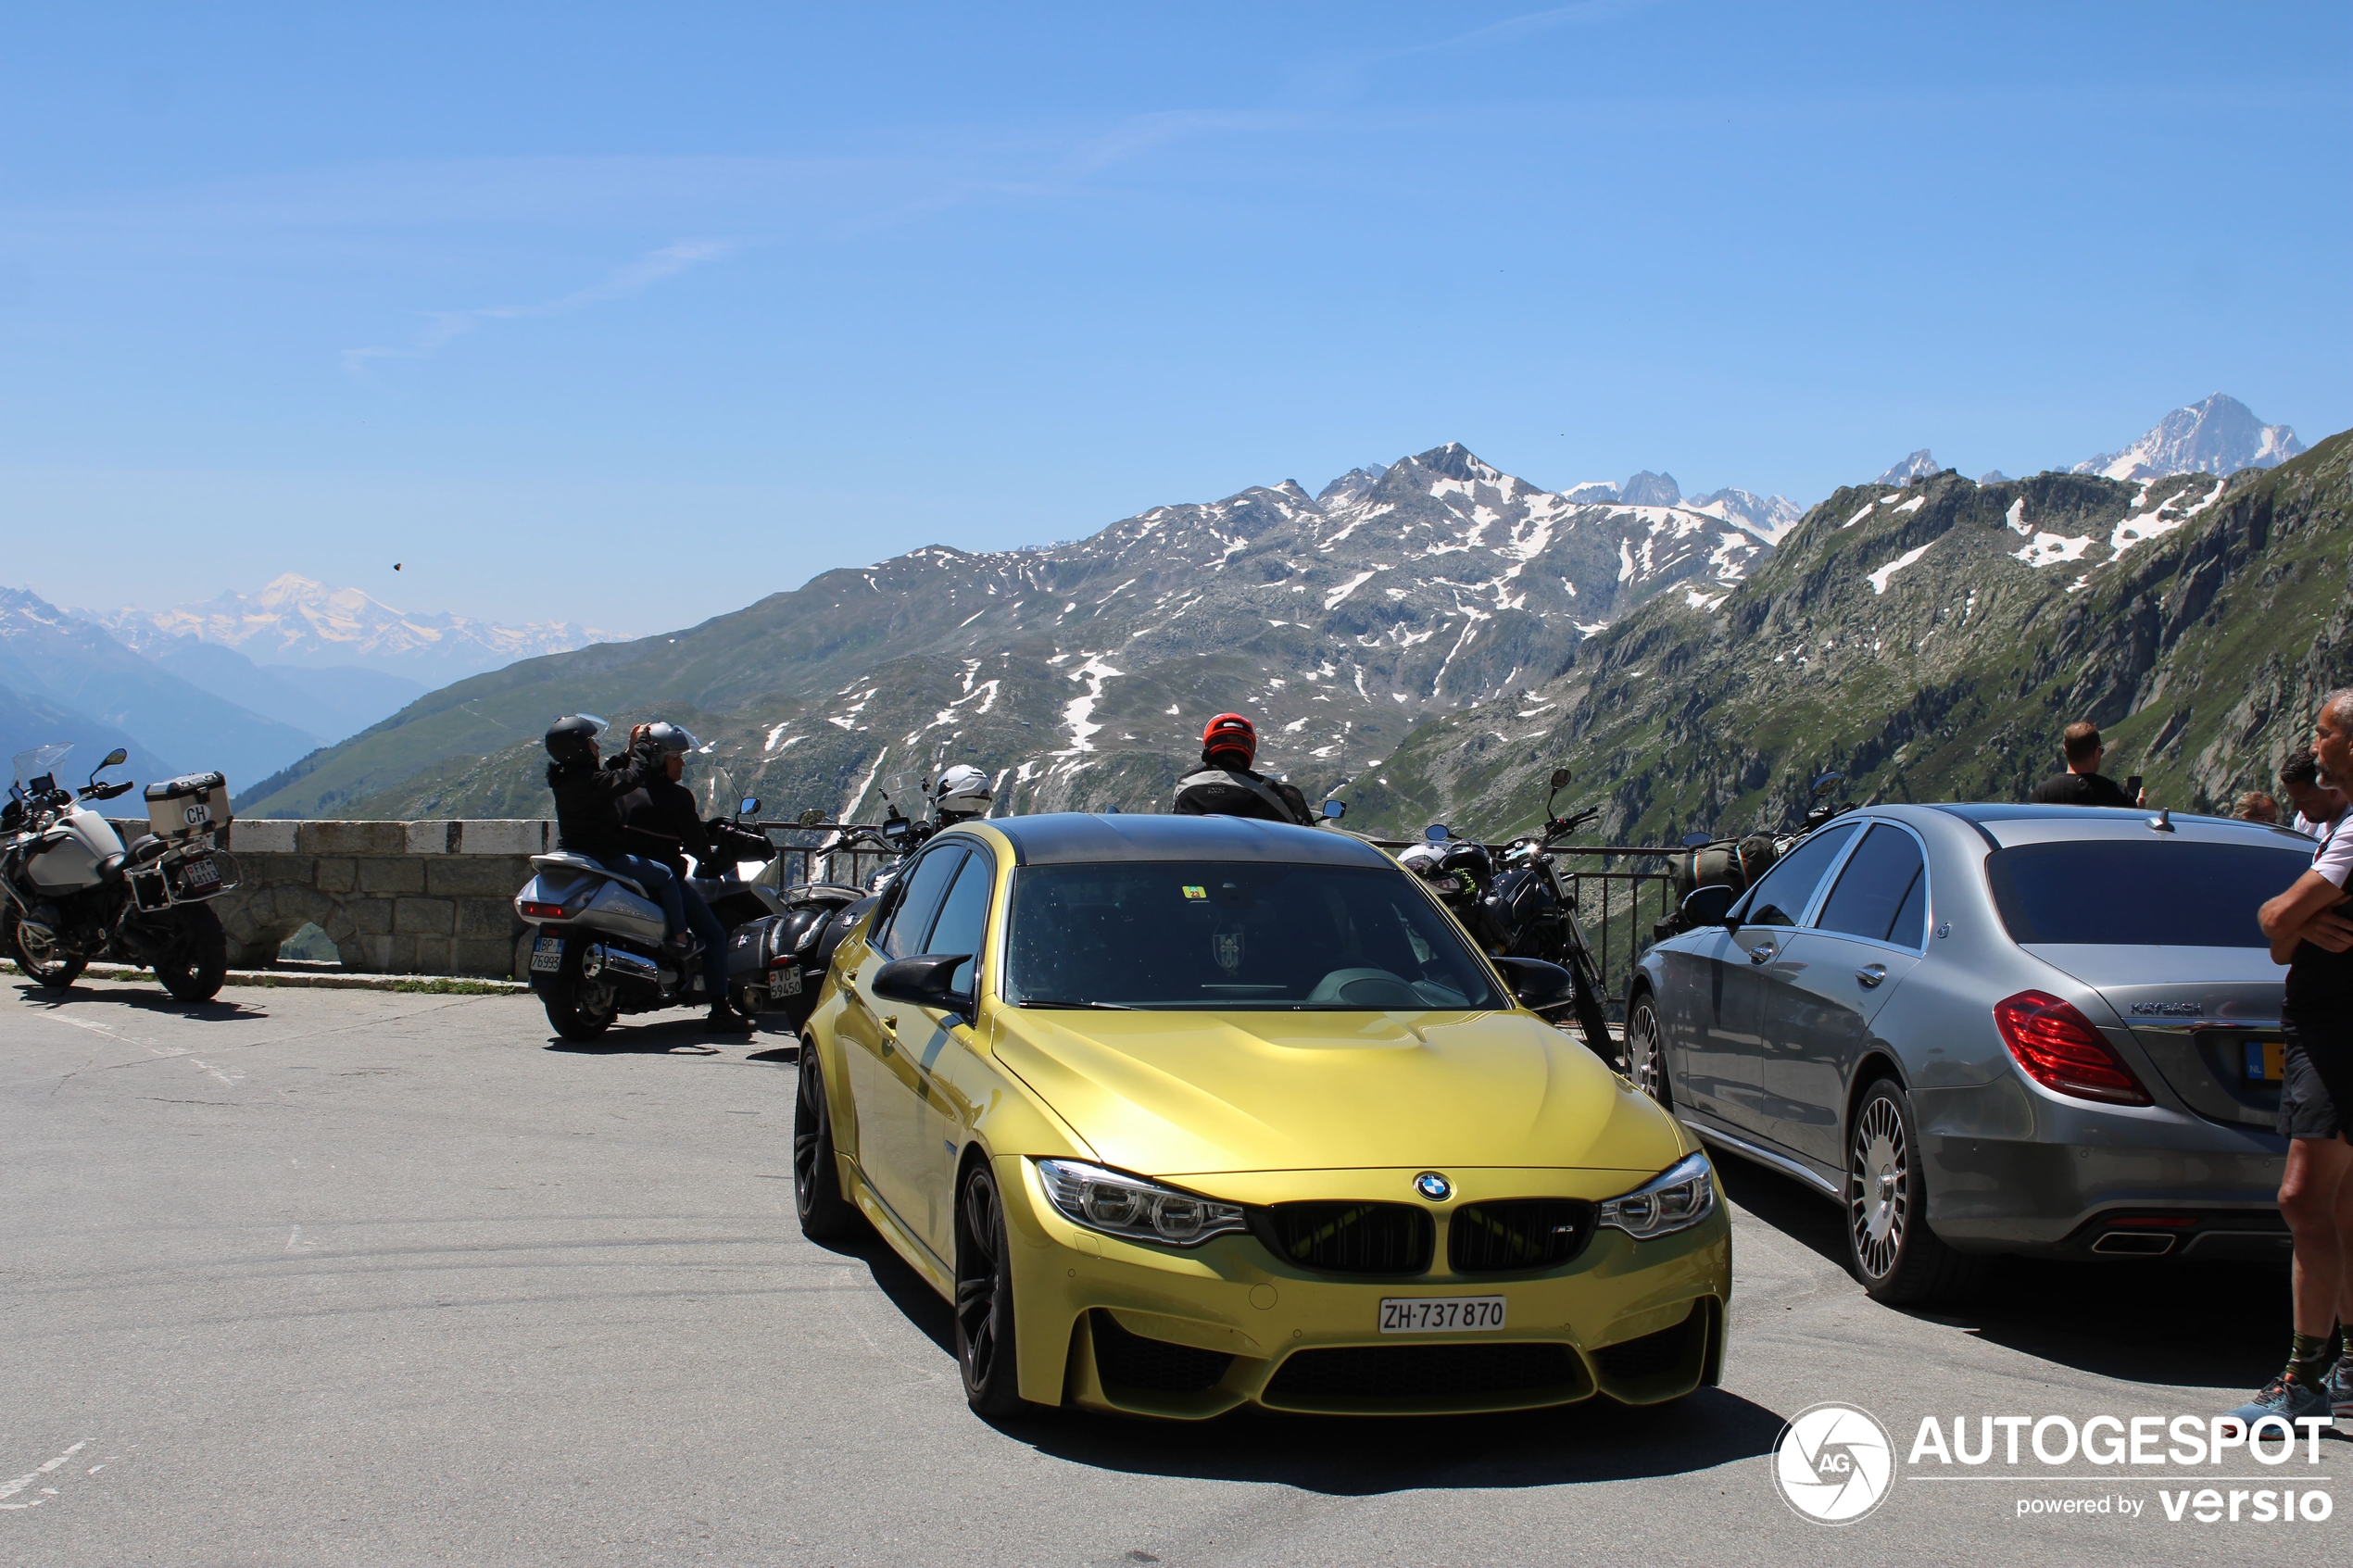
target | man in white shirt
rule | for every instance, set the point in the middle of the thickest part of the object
(2318, 806)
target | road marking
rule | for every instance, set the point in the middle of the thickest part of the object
(296, 1244)
(11, 1488)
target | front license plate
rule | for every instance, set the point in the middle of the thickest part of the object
(201, 873)
(2266, 1061)
(547, 955)
(1441, 1314)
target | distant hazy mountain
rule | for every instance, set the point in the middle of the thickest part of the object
(1920, 465)
(27, 722)
(297, 621)
(2219, 435)
(46, 654)
(330, 702)
(1767, 516)
(1083, 673)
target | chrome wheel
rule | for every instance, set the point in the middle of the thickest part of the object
(1879, 1188)
(1642, 1061)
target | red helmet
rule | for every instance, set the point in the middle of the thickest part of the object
(1229, 732)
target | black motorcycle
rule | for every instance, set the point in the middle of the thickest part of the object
(1734, 864)
(1525, 910)
(779, 965)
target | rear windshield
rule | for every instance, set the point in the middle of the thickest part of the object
(2123, 894)
(1236, 936)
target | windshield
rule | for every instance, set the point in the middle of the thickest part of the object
(1236, 936)
(41, 761)
(2121, 894)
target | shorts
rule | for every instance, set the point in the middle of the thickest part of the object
(2316, 1081)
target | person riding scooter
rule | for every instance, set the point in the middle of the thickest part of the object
(660, 821)
(960, 795)
(1226, 787)
(588, 794)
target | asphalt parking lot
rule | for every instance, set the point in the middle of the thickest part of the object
(313, 1277)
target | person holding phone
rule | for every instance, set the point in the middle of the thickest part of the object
(2084, 783)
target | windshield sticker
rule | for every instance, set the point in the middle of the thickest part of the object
(1194, 892)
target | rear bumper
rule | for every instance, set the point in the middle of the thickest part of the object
(1190, 1333)
(2011, 1169)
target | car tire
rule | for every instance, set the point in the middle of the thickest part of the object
(1645, 1063)
(199, 964)
(825, 1214)
(985, 1332)
(1889, 1248)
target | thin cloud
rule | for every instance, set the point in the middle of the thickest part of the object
(445, 327)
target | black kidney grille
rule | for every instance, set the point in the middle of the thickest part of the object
(1130, 1361)
(1350, 1238)
(1404, 1372)
(1517, 1233)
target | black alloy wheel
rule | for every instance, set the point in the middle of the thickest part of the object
(1889, 1248)
(40, 959)
(824, 1214)
(1644, 1063)
(985, 1351)
(199, 960)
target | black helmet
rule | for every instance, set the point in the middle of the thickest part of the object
(573, 737)
(1464, 859)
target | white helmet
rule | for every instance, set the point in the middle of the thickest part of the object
(962, 792)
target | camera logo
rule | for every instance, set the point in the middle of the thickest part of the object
(1834, 1463)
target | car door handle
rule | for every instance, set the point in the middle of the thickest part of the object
(1872, 975)
(1762, 953)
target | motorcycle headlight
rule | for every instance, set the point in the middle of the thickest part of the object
(1674, 1199)
(1130, 1206)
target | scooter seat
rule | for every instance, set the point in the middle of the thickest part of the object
(572, 860)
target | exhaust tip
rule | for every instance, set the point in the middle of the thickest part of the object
(2133, 1244)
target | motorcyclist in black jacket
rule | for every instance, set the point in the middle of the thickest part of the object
(588, 796)
(1226, 786)
(660, 820)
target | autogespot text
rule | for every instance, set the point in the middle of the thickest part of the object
(2146, 1450)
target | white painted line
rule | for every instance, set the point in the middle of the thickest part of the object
(11, 1489)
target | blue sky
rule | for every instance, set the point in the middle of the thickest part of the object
(632, 315)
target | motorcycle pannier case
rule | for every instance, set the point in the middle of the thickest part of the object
(188, 806)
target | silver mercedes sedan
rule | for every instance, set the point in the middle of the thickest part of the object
(1991, 1029)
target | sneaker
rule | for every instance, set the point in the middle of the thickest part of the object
(2285, 1396)
(2338, 1385)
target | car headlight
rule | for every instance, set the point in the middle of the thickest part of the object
(1677, 1199)
(1130, 1206)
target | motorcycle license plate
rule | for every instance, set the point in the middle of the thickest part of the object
(1441, 1314)
(200, 873)
(786, 982)
(547, 955)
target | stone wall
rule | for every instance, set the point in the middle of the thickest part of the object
(393, 898)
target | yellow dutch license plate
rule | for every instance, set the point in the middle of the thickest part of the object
(2266, 1061)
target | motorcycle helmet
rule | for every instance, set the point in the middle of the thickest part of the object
(1229, 735)
(1469, 864)
(675, 739)
(573, 737)
(960, 794)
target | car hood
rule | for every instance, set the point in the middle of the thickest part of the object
(1186, 1092)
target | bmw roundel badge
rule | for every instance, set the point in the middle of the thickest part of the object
(1432, 1185)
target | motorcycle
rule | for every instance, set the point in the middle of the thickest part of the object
(1526, 910)
(1734, 864)
(71, 892)
(780, 966)
(597, 948)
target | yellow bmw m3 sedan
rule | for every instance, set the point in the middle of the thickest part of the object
(1183, 1113)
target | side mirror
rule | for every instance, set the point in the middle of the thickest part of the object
(1334, 810)
(1534, 983)
(1560, 778)
(1709, 906)
(1827, 783)
(1696, 841)
(923, 981)
(1437, 833)
(116, 758)
(749, 806)
(811, 817)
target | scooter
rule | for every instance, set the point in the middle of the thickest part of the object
(71, 892)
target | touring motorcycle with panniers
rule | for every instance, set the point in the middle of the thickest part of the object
(71, 892)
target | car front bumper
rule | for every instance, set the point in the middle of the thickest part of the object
(1192, 1333)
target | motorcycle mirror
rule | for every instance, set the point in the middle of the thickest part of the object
(1334, 810)
(1709, 906)
(811, 817)
(1111, 811)
(750, 806)
(1827, 781)
(1560, 778)
(1696, 841)
(1437, 833)
(116, 758)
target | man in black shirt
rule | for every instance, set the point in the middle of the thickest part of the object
(2082, 783)
(1226, 786)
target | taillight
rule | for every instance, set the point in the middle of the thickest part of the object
(2060, 1050)
(542, 911)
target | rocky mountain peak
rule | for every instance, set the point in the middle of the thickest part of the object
(1920, 465)
(1351, 486)
(2219, 436)
(1648, 489)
